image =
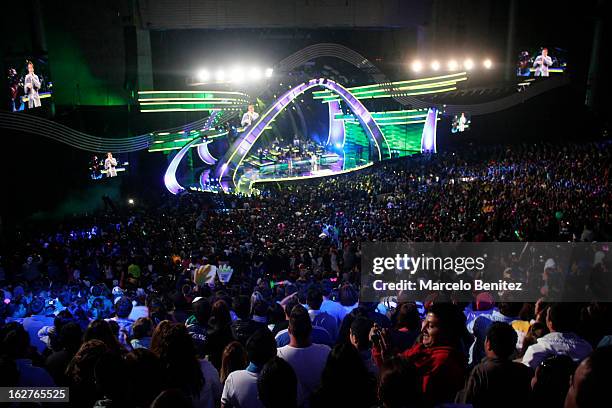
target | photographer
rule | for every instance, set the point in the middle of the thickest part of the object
(437, 355)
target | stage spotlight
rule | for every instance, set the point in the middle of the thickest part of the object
(220, 75)
(269, 72)
(255, 73)
(417, 66)
(453, 65)
(468, 64)
(237, 74)
(435, 65)
(131, 201)
(203, 75)
(338, 145)
(488, 64)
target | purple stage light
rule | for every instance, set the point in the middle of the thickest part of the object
(336, 126)
(170, 180)
(428, 138)
(205, 154)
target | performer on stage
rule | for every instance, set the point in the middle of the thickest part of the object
(31, 85)
(13, 82)
(94, 168)
(249, 117)
(541, 63)
(523, 65)
(110, 165)
(314, 162)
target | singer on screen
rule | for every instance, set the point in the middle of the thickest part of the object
(249, 117)
(541, 63)
(31, 85)
(462, 122)
(110, 165)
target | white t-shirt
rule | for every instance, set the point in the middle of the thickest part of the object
(308, 364)
(240, 390)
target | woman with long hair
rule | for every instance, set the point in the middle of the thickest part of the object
(220, 333)
(234, 358)
(80, 373)
(198, 380)
(145, 376)
(100, 329)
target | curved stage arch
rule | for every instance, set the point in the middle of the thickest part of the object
(170, 180)
(205, 155)
(235, 155)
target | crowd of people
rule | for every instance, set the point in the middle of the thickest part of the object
(124, 307)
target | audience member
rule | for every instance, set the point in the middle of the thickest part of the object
(345, 370)
(234, 358)
(589, 387)
(561, 320)
(307, 359)
(240, 388)
(551, 381)
(438, 357)
(488, 382)
(277, 385)
(399, 385)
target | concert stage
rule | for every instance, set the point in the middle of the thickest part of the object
(363, 123)
(356, 138)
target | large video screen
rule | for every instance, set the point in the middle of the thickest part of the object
(541, 62)
(28, 83)
(104, 166)
(461, 122)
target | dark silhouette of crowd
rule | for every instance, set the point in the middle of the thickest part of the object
(216, 300)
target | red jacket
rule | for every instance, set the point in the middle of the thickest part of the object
(441, 368)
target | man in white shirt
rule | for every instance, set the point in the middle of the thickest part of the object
(307, 359)
(110, 165)
(249, 117)
(541, 63)
(561, 320)
(31, 85)
(240, 389)
(462, 122)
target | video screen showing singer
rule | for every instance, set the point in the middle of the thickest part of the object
(249, 117)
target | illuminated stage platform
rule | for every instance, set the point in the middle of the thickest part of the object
(355, 140)
(300, 166)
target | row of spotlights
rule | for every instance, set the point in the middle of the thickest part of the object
(452, 65)
(235, 74)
